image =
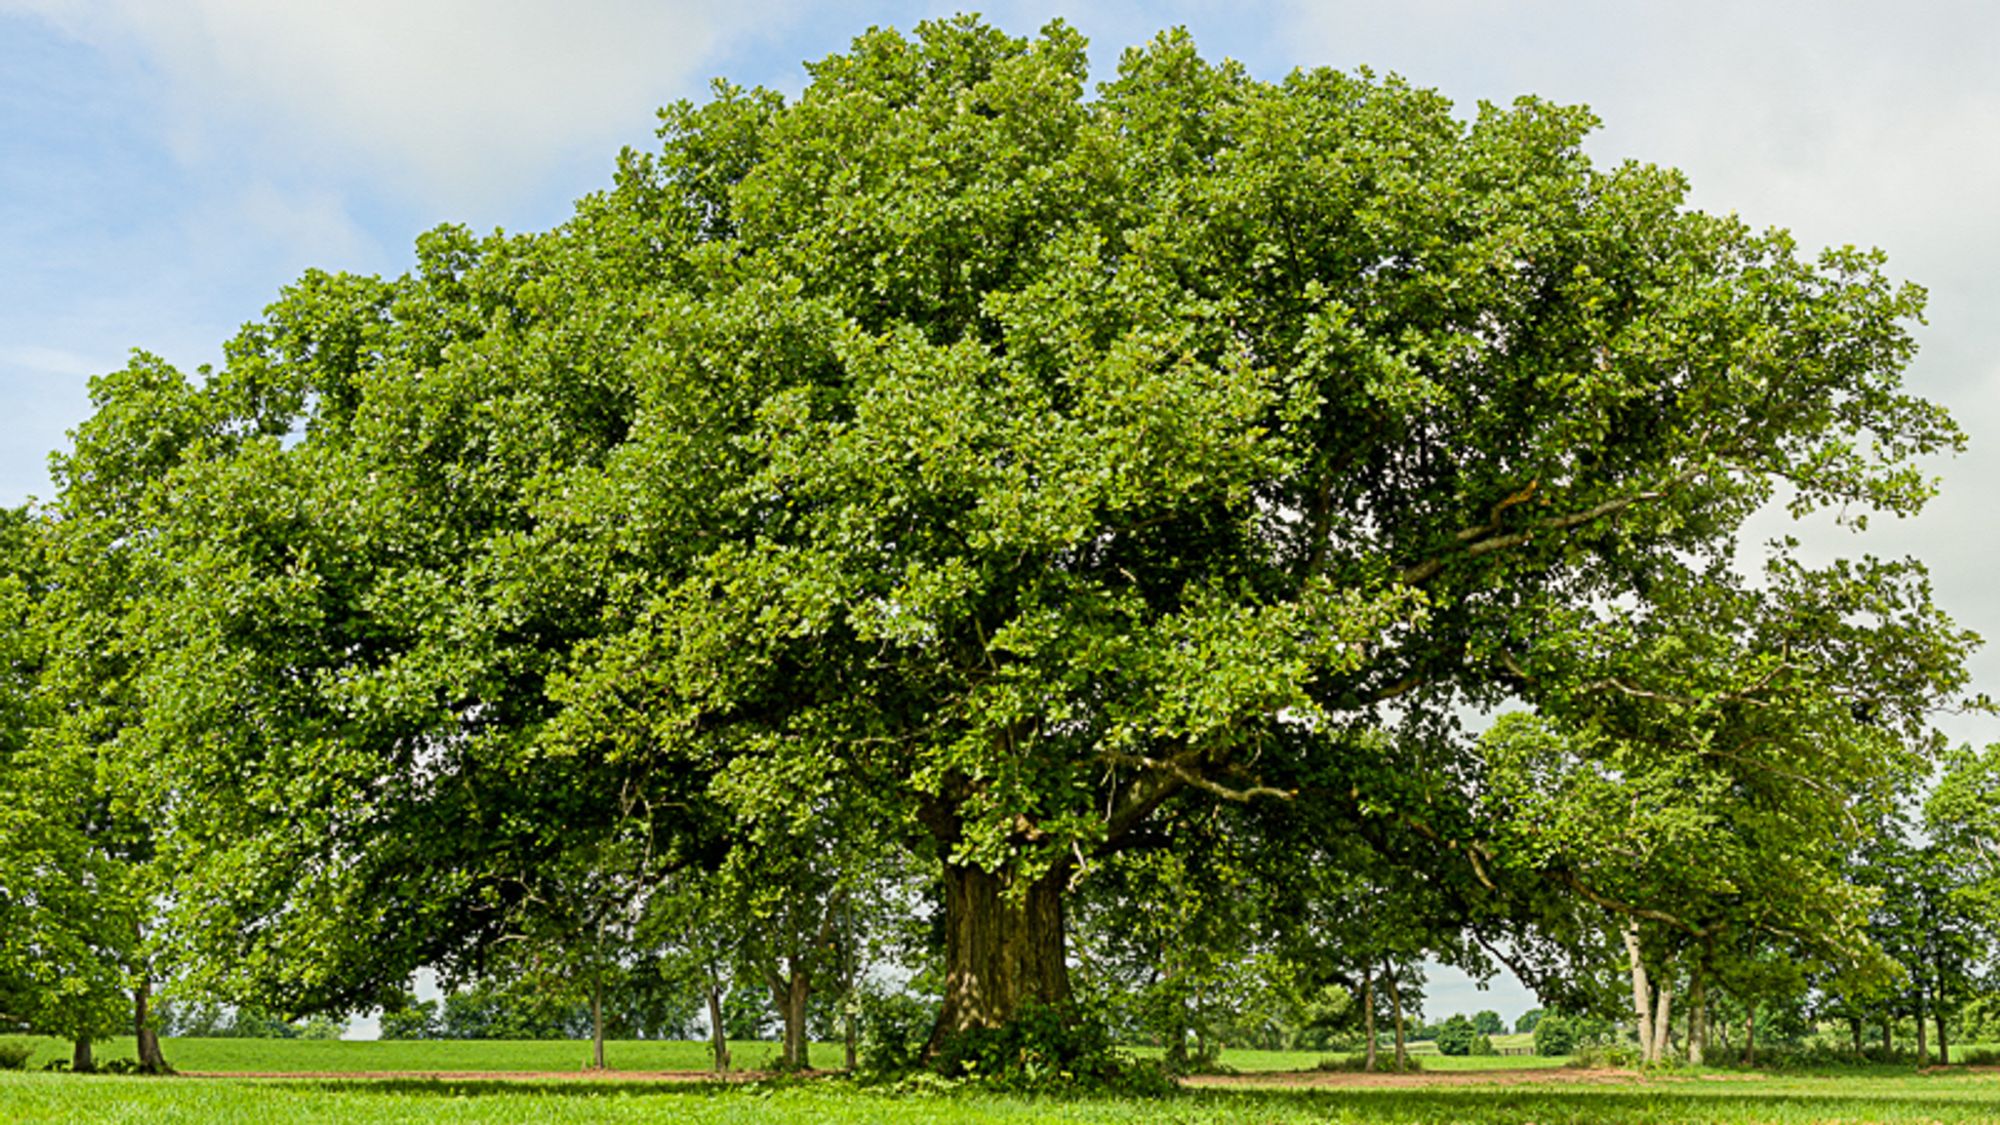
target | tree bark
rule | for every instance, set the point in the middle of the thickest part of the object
(151, 1059)
(1923, 1035)
(80, 1059)
(789, 994)
(1396, 1011)
(1888, 1035)
(718, 1039)
(1937, 1010)
(1698, 1018)
(1004, 948)
(1641, 1007)
(1663, 1030)
(1854, 1023)
(1750, 1035)
(1368, 1014)
(597, 1021)
(851, 1037)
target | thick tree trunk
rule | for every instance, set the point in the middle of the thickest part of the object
(1923, 1033)
(151, 1059)
(1368, 1015)
(1642, 1015)
(1854, 1024)
(1003, 949)
(80, 1059)
(1750, 1036)
(718, 1037)
(851, 1037)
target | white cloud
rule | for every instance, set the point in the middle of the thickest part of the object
(34, 359)
(455, 101)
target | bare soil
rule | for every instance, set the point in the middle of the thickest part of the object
(500, 1075)
(1600, 1076)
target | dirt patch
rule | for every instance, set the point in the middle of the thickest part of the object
(1353, 1078)
(499, 1075)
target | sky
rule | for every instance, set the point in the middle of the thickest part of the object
(168, 166)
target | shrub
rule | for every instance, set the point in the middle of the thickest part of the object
(1384, 1061)
(1455, 1036)
(1604, 1054)
(1044, 1046)
(1482, 1045)
(894, 1028)
(14, 1056)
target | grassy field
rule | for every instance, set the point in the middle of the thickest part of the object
(1885, 1094)
(1732, 1099)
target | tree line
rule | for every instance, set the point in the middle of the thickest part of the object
(1034, 544)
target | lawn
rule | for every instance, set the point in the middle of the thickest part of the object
(1887, 1094)
(1759, 1100)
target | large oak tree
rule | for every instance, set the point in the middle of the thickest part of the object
(1023, 455)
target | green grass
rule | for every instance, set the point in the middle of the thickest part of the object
(1675, 1099)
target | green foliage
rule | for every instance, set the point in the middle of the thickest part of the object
(1455, 1036)
(1045, 1047)
(15, 1055)
(1488, 1023)
(1558, 1034)
(895, 1026)
(1529, 1019)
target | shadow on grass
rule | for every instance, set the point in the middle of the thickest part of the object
(516, 1087)
(1663, 1103)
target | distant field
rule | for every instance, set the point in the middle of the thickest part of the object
(343, 1056)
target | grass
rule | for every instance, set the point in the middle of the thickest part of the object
(1674, 1099)
(1851, 1095)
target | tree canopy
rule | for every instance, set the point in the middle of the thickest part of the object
(967, 458)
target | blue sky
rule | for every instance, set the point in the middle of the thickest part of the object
(166, 166)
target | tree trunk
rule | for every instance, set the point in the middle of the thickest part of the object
(1750, 1036)
(1923, 1033)
(1663, 1031)
(1003, 949)
(1888, 1035)
(1854, 1023)
(790, 994)
(853, 1041)
(1642, 1015)
(718, 1039)
(1937, 1010)
(80, 1060)
(1368, 1014)
(597, 1021)
(151, 1059)
(1698, 1018)
(1396, 1011)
